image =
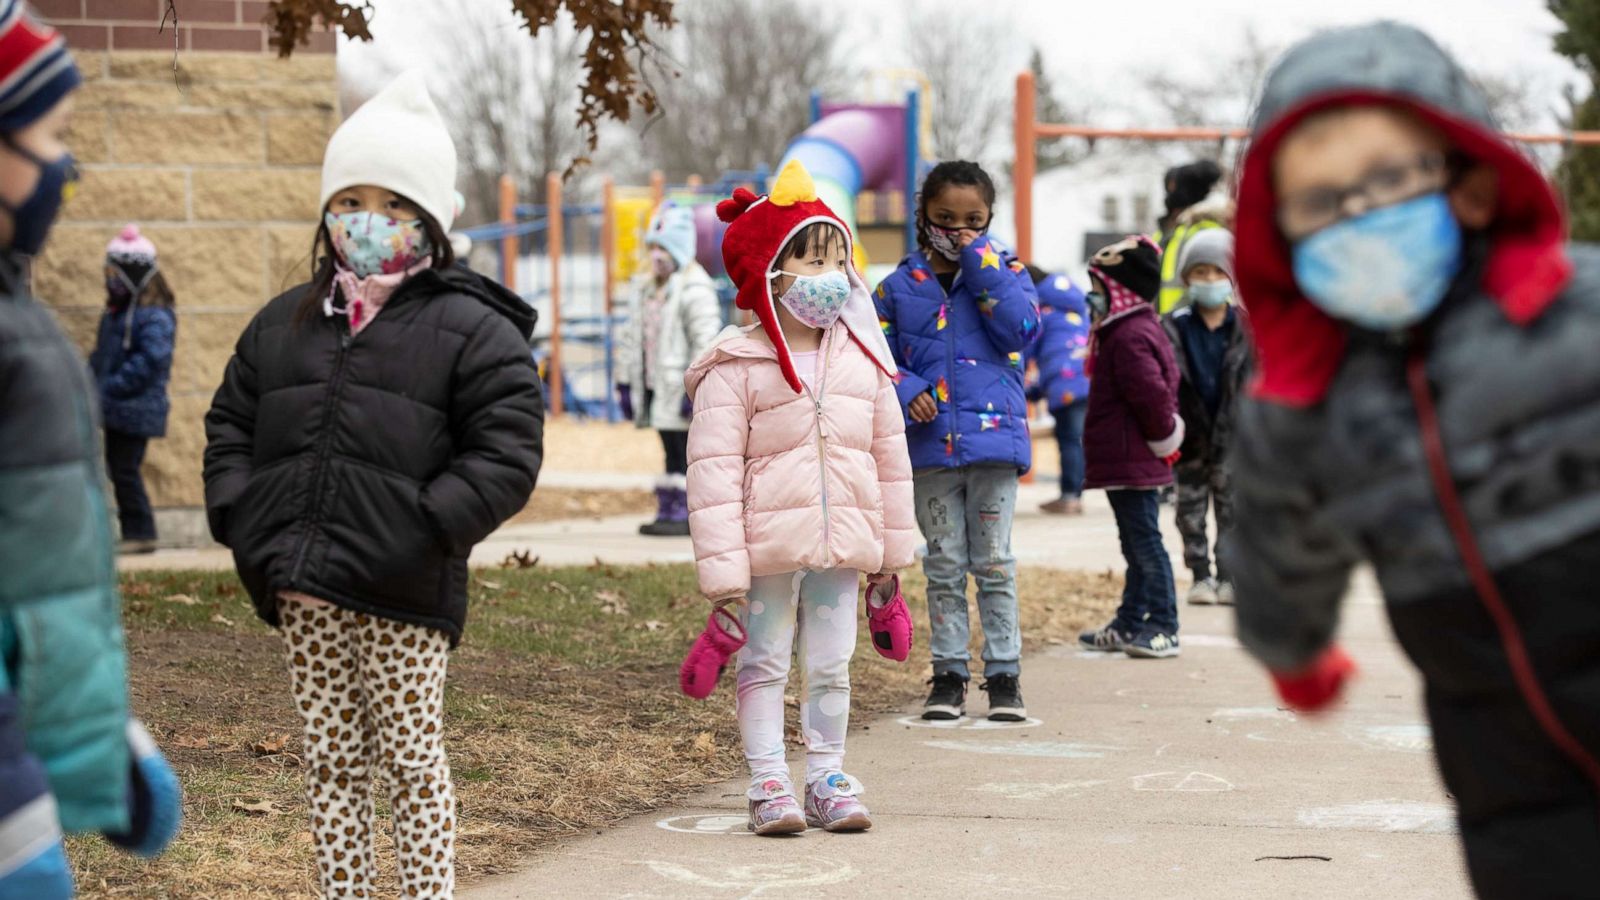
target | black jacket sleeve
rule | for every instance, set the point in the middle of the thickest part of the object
(497, 430)
(230, 433)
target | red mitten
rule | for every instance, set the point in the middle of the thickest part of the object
(710, 653)
(1172, 458)
(1317, 685)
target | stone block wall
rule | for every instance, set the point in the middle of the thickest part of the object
(218, 162)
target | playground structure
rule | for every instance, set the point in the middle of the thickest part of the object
(1028, 132)
(570, 260)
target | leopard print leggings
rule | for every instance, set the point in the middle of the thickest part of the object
(370, 692)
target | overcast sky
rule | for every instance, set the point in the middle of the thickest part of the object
(1102, 46)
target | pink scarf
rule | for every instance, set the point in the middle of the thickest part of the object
(365, 297)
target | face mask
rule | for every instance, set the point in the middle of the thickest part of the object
(1098, 305)
(1210, 294)
(117, 289)
(816, 300)
(371, 243)
(947, 241)
(662, 264)
(32, 218)
(1385, 269)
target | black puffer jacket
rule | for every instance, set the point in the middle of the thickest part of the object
(1206, 441)
(362, 470)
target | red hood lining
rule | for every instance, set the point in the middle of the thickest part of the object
(1300, 348)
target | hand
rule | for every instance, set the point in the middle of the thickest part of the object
(731, 601)
(878, 578)
(965, 237)
(1172, 458)
(923, 408)
(625, 400)
(686, 408)
(1317, 685)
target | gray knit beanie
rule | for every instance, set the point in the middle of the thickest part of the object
(1212, 245)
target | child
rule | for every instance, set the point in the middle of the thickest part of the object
(671, 321)
(1130, 441)
(1211, 341)
(1427, 405)
(372, 427)
(1060, 354)
(71, 759)
(132, 361)
(798, 482)
(958, 313)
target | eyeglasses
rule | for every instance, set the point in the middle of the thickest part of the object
(1302, 214)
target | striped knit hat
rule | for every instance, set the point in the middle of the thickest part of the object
(36, 70)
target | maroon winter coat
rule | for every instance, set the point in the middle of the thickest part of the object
(1133, 404)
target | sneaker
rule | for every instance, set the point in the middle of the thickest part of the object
(947, 700)
(776, 813)
(831, 805)
(1153, 645)
(1062, 506)
(1204, 592)
(1225, 593)
(136, 547)
(1108, 639)
(1005, 699)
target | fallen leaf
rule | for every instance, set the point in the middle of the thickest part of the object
(559, 588)
(271, 746)
(181, 600)
(258, 808)
(489, 585)
(197, 742)
(519, 559)
(653, 625)
(221, 619)
(705, 745)
(611, 603)
(138, 606)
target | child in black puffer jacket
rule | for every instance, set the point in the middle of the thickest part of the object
(371, 428)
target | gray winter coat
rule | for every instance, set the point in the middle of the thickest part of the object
(1329, 465)
(690, 320)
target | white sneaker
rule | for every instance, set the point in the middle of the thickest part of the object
(1204, 592)
(1225, 593)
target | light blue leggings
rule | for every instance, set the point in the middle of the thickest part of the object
(821, 606)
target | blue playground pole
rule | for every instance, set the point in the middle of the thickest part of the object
(913, 163)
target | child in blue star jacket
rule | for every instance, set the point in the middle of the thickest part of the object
(958, 313)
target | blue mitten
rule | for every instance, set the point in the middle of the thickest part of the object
(155, 800)
(31, 853)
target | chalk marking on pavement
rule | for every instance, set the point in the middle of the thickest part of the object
(966, 723)
(713, 824)
(1225, 641)
(1382, 815)
(1026, 748)
(1186, 782)
(1033, 790)
(756, 879)
(1253, 712)
(1412, 738)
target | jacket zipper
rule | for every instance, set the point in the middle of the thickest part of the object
(324, 451)
(950, 369)
(822, 449)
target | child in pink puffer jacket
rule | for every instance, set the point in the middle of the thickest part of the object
(799, 481)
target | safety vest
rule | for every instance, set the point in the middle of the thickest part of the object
(1172, 288)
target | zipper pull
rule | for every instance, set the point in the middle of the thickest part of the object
(344, 342)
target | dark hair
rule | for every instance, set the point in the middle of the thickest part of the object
(157, 292)
(818, 237)
(322, 271)
(955, 172)
(1037, 274)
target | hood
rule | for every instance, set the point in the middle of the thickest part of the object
(1300, 347)
(487, 291)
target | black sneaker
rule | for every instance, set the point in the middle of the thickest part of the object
(1005, 699)
(1153, 645)
(947, 700)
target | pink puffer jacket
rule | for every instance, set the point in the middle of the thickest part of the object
(770, 491)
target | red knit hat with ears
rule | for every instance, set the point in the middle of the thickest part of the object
(758, 227)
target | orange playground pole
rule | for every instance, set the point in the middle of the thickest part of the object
(553, 236)
(508, 244)
(608, 235)
(658, 188)
(1022, 171)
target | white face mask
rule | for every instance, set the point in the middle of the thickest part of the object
(816, 300)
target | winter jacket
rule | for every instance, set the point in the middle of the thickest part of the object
(362, 470)
(132, 363)
(780, 481)
(60, 617)
(690, 320)
(966, 349)
(1329, 457)
(1062, 351)
(1132, 423)
(1206, 440)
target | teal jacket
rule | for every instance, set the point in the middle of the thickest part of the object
(60, 617)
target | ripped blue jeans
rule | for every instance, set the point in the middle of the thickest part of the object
(965, 516)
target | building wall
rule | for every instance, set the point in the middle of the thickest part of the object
(218, 162)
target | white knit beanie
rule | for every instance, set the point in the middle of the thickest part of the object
(396, 141)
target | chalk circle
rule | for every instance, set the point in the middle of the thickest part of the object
(713, 824)
(967, 723)
(1413, 738)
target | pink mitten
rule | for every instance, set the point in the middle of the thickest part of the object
(710, 654)
(889, 620)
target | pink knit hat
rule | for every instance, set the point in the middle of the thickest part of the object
(131, 247)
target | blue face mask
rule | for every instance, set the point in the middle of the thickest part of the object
(1211, 294)
(1386, 269)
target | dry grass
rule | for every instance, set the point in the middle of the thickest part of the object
(562, 717)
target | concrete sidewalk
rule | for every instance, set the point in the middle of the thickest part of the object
(1174, 778)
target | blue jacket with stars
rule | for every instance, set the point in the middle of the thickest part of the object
(1063, 346)
(966, 349)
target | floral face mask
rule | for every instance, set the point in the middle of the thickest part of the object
(370, 243)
